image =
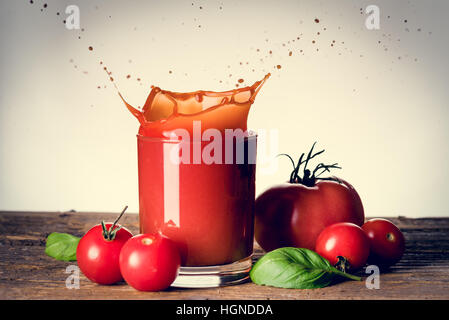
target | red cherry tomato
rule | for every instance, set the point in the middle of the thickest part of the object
(386, 240)
(98, 258)
(150, 262)
(293, 214)
(345, 240)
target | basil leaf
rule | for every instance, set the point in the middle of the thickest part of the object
(295, 268)
(62, 246)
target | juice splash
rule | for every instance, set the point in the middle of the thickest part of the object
(165, 111)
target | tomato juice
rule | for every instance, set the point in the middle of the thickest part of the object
(196, 164)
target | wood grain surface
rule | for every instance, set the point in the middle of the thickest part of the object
(26, 272)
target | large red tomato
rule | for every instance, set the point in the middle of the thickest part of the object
(294, 213)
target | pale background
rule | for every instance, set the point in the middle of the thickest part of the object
(379, 109)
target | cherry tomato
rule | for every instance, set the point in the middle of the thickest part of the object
(386, 240)
(98, 257)
(150, 262)
(345, 240)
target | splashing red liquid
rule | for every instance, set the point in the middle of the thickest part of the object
(165, 111)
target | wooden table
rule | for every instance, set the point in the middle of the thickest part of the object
(26, 272)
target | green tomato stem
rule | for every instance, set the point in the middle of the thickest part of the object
(346, 275)
(309, 177)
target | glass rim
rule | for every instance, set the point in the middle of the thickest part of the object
(248, 134)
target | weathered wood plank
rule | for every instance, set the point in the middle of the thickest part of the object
(27, 273)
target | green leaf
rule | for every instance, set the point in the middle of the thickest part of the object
(295, 268)
(62, 246)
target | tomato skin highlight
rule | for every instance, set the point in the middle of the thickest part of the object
(98, 259)
(292, 214)
(345, 240)
(386, 240)
(150, 262)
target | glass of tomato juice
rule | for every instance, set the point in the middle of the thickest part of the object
(206, 207)
(196, 168)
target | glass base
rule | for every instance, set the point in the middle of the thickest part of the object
(214, 276)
